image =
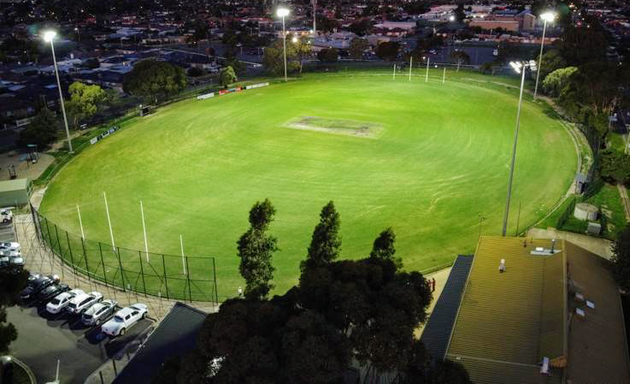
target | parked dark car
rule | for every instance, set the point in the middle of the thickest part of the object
(36, 286)
(51, 291)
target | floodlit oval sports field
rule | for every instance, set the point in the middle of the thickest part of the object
(424, 158)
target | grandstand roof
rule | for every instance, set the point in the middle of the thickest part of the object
(508, 322)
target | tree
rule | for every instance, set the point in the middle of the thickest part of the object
(84, 101)
(383, 247)
(256, 248)
(557, 82)
(614, 166)
(227, 76)
(153, 79)
(300, 50)
(8, 333)
(328, 55)
(273, 59)
(361, 28)
(12, 281)
(42, 131)
(621, 259)
(460, 13)
(551, 61)
(325, 242)
(460, 57)
(358, 47)
(583, 44)
(388, 50)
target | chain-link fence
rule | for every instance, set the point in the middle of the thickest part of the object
(179, 277)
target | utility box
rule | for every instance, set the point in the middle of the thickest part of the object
(594, 228)
(15, 192)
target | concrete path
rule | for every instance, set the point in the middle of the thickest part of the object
(24, 168)
(440, 277)
(596, 245)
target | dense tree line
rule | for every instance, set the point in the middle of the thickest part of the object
(364, 310)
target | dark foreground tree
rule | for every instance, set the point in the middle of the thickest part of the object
(12, 281)
(256, 248)
(328, 55)
(388, 50)
(325, 242)
(153, 79)
(621, 259)
(384, 249)
(42, 131)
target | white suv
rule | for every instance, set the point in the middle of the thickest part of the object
(80, 303)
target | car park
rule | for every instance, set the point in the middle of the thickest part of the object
(51, 292)
(81, 302)
(99, 312)
(124, 319)
(60, 301)
(36, 286)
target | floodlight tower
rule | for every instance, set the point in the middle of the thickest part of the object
(284, 12)
(547, 17)
(49, 36)
(314, 17)
(520, 68)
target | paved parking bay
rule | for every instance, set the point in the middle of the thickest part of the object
(44, 338)
(7, 232)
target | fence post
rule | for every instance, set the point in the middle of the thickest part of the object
(49, 235)
(165, 278)
(58, 242)
(144, 286)
(87, 267)
(74, 268)
(188, 279)
(122, 271)
(100, 249)
(214, 271)
(35, 222)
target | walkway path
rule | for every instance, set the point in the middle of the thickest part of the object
(623, 193)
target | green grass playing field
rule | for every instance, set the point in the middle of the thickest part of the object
(434, 158)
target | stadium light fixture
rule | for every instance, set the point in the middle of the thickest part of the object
(294, 39)
(520, 68)
(284, 12)
(547, 17)
(49, 37)
(451, 18)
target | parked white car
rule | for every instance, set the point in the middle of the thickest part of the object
(124, 319)
(99, 312)
(62, 300)
(6, 215)
(12, 246)
(80, 303)
(9, 253)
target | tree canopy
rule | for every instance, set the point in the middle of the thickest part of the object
(227, 76)
(153, 79)
(326, 241)
(621, 259)
(85, 101)
(42, 131)
(388, 50)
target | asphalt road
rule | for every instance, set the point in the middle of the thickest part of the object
(43, 339)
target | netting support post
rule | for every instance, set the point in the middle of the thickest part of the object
(165, 278)
(74, 268)
(49, 235)
(188, 279)
(144, 286)
(87, 266)
(122, 271)
(214, 272)
(100, 250)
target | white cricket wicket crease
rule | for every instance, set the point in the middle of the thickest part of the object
(410, 66)
(181, 242)
(426, 80)
(80, 223)
(144, 230)
(394, 75)
(444, 76)
(109, 221)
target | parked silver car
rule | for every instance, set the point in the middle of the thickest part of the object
(99, 312)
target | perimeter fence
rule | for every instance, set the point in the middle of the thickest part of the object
(186, 278)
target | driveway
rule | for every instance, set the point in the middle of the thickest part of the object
(44, 338)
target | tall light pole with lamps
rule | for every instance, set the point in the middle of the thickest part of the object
(520, 68)
(49, 36)
(547, 17)
(284, 12)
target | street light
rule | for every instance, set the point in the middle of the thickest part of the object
(49, 36)
(294, 39)
(520, 68)
(284, 12)
(547, 17)
(451, 18)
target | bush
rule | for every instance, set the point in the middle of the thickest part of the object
(566, 215)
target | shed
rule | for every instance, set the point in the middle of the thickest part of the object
(15, 192)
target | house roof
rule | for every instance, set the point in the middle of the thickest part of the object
(508, 322)
(13, 185)
(174, 336)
